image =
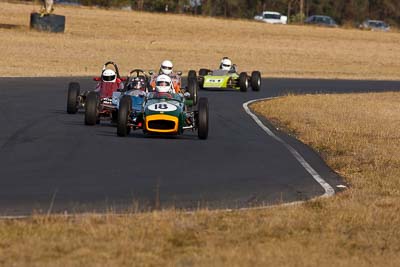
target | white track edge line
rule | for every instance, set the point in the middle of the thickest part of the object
(329, 191)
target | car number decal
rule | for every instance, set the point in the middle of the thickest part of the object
(214, 80)
(162, 107)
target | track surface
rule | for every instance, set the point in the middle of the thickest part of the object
(51, 161)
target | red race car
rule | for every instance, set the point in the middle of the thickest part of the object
(99, 102)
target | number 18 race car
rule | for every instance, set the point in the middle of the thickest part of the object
(229, 79)
(163, 113)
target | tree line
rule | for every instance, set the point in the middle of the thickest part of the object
(343, 11)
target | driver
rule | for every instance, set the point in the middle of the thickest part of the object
(108, 76)
(164, 86)
(166, 68)
(109, 82)
(226, 64)
(137, 83)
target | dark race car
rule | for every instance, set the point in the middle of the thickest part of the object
(136, 88)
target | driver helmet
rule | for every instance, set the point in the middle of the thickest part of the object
(163, 84)
(166, 67)
(226, 64)
(137, 84)
(108, 76)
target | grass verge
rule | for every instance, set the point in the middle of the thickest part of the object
(356, 134)
(143, 40)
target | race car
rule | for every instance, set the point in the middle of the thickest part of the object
(136, 87)
(103, 90)
(229, 79)
(163, 113)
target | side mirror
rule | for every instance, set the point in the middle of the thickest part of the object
(179, 73)
(151, 72)
(97, 79)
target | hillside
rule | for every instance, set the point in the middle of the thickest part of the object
(143, 40)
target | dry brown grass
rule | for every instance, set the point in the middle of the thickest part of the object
(357, 134)
(135, 39)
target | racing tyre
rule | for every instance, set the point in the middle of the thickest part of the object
(202, 73)
(243, 82)
(192, 88)
(91, 109)
(123, 115)
(255, 81)
(191, 74)
(72, 98)
(202, 130)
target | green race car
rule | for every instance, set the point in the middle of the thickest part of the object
(163, 113)
(224, 79)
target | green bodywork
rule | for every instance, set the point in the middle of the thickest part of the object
(176, 101)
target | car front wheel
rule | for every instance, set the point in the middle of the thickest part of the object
(202, 130)
(123, 115)
(91, 109)
(72, 98)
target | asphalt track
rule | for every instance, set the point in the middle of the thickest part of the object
(51, 162)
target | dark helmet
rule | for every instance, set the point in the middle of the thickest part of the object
(137, 83)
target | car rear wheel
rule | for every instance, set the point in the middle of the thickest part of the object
(192, 89)
(91, 109)
(123, 115)
(202, 130)
(255, 81)
(72, 98)
(192, 73)
(243, 82)
(202, 73)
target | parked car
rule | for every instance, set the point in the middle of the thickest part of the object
(321, 21)
(374, 25)
(271, 17)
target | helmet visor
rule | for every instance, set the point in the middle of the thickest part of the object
(166, 68)
(226, 65)
(109, 78)
(163, 83)
(136, 85)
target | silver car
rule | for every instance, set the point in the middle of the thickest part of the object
(374, 25)
(321, 21)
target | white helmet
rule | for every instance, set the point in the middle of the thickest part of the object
(108, 76)
(163, 84)
(166, 67)
(226, 64)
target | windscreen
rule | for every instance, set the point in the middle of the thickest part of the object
(272, 16)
